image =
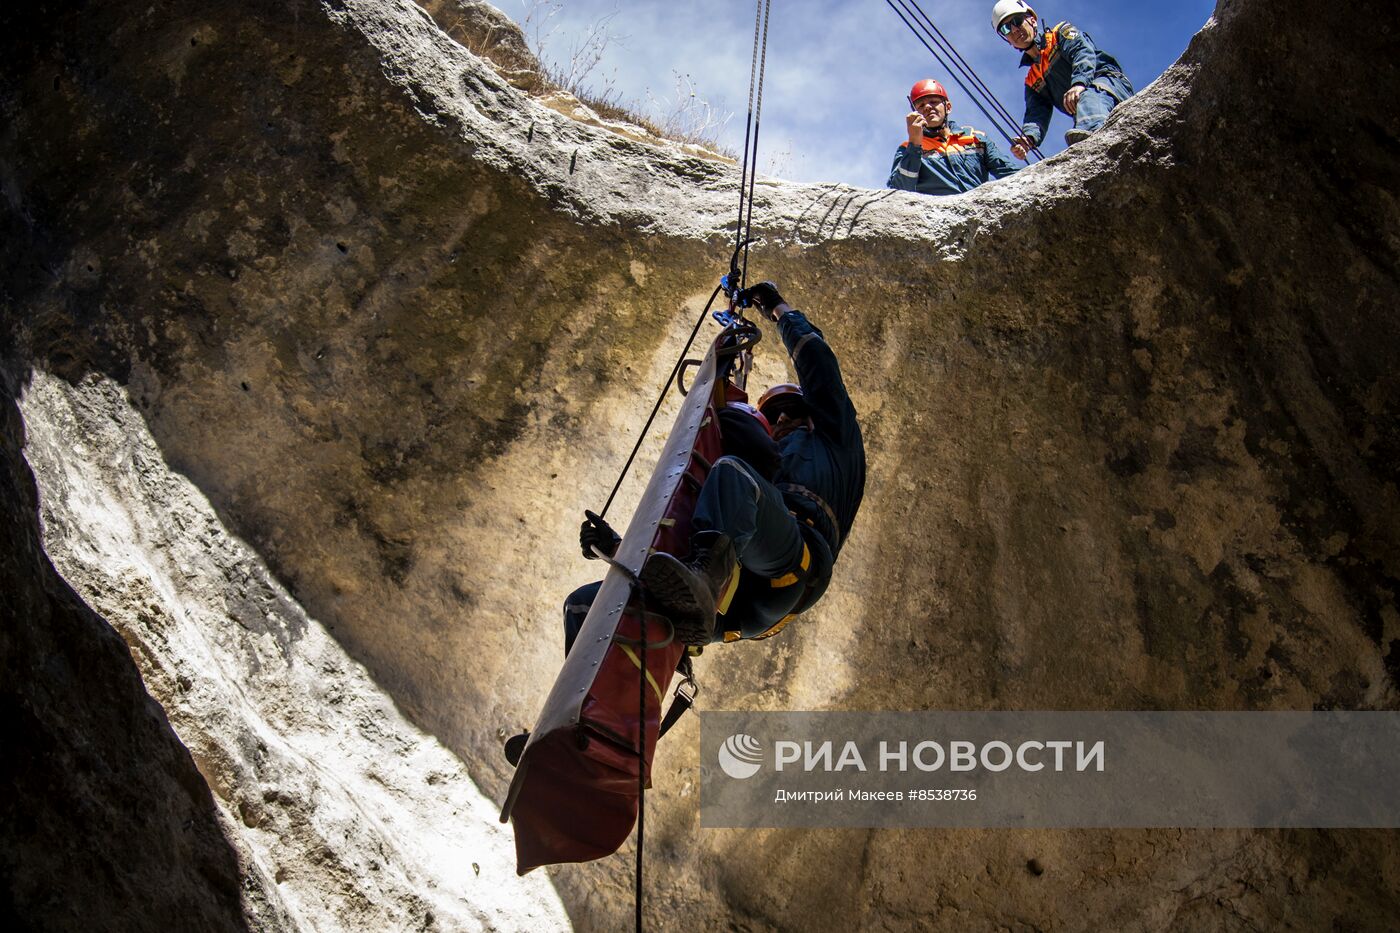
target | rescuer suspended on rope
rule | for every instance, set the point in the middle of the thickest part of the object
(764, 539)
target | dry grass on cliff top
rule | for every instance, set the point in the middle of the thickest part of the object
(520, 52)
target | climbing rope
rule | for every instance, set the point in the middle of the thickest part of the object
(641, 765)
(731, 284)
(748, 131)
(659, 399)
(929, 35)
(967, 70)
(738, 275)
(751, 163)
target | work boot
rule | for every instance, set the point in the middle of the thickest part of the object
(515, 747)
(1076, 135)
(689, 591)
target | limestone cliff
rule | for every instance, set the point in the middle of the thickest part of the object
(1131, 417)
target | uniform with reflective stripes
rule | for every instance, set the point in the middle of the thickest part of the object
(774, 559)
(823, 471)
(951, 164)
(1061, 58)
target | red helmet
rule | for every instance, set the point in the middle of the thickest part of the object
(752, 412)
(784, 397)
(927, 88)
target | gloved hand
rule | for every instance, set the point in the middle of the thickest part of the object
(764, 295)
(595, 532)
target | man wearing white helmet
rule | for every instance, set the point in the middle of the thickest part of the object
(1067, 72)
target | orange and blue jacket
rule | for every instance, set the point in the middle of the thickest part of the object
(1065, 56)
(959, 162)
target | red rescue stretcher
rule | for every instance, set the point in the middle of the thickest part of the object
(575, 793)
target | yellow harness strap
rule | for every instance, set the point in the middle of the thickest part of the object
(788, 579)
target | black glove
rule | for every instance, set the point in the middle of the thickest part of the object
(764, 295)
(594, 532)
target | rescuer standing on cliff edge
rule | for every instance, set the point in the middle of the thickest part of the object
(1067, 71)
(941, 157)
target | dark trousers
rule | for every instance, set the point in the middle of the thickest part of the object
(739, 502)
(768, 542)
(576, 610)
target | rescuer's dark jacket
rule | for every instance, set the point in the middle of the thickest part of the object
(1066, 57)
(742, 436)
(961, 162)
(822, 476)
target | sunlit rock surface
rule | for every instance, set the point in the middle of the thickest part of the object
(1131, 418)
(344, 814)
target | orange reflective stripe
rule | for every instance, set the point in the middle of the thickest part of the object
(954, 144)
(1047, 57)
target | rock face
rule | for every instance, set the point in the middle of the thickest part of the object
(486, 31)
(343, 815)
(104, 813)
(1131, 418)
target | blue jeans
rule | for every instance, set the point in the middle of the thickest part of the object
(739, 502)
(1100, 97)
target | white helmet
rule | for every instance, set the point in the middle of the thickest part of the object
(1005, 8)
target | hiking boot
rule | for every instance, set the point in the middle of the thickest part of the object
(689, 591)
(515, 747)
(1076, 135)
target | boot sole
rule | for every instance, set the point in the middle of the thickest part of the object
(692, 631)
(670, 583)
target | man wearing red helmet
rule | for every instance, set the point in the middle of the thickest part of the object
(941, 157)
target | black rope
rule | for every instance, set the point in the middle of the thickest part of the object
(757, 118)
(920, 35)
(968, 71)
(933, 32)
(743, 226)
(748, 128)
(657, 407)
(748, 174)
(900, 11)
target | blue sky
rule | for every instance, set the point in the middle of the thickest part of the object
(838, 70)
